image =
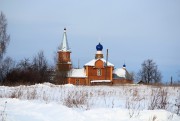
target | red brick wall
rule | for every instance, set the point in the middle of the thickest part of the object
(77, 81)
(99, 64)
(64, 57)
(106, 73)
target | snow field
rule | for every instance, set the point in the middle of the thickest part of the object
(25, 110)
(48, 102)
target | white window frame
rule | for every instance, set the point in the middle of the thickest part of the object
(99, 72)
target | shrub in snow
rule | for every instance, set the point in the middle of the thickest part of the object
(158, 99)
(75, 99)
(133, 105)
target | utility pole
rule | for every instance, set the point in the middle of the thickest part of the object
(106, 64)
(171, 80)
(78, 64)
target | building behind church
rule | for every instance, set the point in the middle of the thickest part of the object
(98, 71)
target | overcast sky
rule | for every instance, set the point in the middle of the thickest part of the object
(132, 30)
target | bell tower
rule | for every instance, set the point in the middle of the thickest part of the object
(64, 59)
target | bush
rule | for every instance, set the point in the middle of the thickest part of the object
(75, 99)
(158, 99)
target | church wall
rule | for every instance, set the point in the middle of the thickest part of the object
(106, 73)
(77, 81)
(99, 64)
(122, 81)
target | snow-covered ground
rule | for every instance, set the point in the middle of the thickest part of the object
(48, 102)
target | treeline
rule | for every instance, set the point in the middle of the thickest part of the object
(25, 72)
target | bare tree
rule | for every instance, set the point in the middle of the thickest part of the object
(40, 65)
(4, 37)
(61, 77)
(39, 61)
(178, 76)
(24, 64)
(7, 65)
(149, 72)
(132, 75)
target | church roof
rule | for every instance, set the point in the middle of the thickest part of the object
(64, 44)
(121, 73)
(77, 73)
(92, 62)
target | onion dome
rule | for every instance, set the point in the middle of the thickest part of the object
(99, 47)
(124, 66)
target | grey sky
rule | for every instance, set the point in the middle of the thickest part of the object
(132, 30)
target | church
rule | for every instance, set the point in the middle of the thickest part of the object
(98, 71)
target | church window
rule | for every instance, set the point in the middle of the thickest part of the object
(77, 82)
(98, 72)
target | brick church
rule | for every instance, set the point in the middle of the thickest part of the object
(98, 71)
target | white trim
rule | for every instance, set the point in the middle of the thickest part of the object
(99, 52)
(100, 81)
(92, 62)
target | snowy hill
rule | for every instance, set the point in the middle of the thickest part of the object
(48, 102)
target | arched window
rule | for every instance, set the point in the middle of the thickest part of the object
(98, 72)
